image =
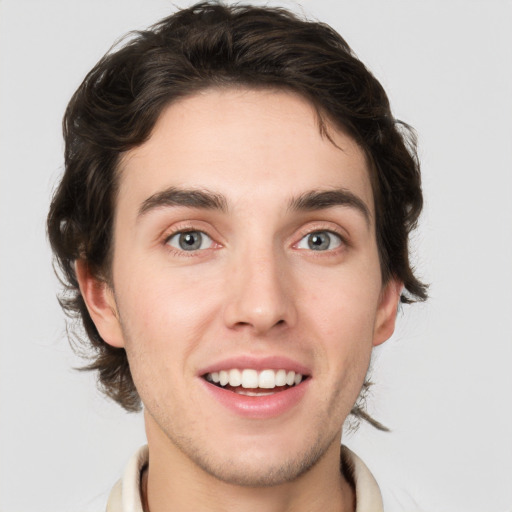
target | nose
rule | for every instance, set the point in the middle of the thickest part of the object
(259, 295)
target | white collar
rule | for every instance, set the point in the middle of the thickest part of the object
(125, 496)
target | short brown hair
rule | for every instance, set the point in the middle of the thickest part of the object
(213, 45)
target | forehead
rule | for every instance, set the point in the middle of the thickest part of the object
(248, 145)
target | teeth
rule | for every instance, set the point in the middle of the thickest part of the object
(223, 378)
(235, 378)
(249, 379)
(281, 378)
(267, 379)
(252, 379)
(246, 392)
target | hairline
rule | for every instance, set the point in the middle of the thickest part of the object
(325, 123)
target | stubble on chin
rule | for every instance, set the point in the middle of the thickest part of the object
(247, 471)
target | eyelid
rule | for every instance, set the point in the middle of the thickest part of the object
(338, 241)
(182, 226)
(177, 234)
(189, 226)
(328, 227)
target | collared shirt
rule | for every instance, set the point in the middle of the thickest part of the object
(125, 496)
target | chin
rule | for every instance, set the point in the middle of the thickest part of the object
(253, 468)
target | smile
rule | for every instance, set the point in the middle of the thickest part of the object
(250, 382)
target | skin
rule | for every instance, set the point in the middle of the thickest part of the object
(255, 288)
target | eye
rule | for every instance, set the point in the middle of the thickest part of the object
(320, 241)
(190, 241)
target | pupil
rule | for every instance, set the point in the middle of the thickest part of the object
(189, 241)
(319, 241)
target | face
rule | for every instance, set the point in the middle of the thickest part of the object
(246, 283)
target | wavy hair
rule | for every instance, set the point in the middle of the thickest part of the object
(214, 45)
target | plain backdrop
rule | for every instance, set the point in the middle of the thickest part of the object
(443, 382)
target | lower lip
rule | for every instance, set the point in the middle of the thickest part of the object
(259, 407)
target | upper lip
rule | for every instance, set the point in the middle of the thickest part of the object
(256, 363)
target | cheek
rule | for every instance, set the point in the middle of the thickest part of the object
(342, 302)
(347, 331)
(165, 310)
(343, 317)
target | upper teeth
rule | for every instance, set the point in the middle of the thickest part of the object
(266, 379)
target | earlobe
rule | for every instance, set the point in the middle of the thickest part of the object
(387, 311)
(100, 302)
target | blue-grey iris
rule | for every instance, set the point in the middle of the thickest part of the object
(190, 241)
(319, 241)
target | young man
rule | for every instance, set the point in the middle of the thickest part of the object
(232, 226)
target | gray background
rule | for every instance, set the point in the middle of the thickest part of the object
(444, 380)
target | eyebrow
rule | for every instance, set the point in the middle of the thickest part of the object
(191, 198)
(208, 200)
(323, 199)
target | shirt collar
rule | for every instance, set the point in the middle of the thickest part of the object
(125, 496)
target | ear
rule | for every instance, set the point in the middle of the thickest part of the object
(100, 302)
(387, 311)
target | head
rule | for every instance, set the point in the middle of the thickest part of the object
(204, 59)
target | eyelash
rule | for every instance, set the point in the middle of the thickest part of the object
(344, 242)
(191, 229)
(183, 228)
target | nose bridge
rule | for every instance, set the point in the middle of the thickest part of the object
(259, 287)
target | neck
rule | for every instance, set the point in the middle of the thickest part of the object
(174, 482)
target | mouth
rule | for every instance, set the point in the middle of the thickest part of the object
(251, 382)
